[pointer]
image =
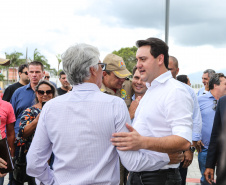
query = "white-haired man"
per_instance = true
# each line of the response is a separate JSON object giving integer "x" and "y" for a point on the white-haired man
{"x": 77, "y": 128}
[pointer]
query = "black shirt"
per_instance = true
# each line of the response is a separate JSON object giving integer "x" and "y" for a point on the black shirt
{"x": 10, "y": 90}
{"x": 61, "y": 91}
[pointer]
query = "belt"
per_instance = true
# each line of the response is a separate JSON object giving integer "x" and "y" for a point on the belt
{"x": 160, "y": 171}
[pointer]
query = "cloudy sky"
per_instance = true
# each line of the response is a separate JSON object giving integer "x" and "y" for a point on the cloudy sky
{"x": 197, "y": 32}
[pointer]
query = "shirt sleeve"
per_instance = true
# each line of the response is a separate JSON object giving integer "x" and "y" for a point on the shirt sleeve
{"x": 39, "y": 151}
{"x": 7, "y": 94}
{"x": 197, "y": 121}
{"x": 178, "y": 111}
{"x": 26, "y": 119}
{"x": 137, "y": 160}
{"x": 11, "y": 116}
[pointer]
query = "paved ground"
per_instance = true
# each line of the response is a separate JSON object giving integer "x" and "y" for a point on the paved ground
{"x": 193, "y": 177}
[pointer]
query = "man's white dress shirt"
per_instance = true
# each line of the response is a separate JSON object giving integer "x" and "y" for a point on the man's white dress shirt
{"x": 77, "y": 128}
{"x": 165, "y": 109}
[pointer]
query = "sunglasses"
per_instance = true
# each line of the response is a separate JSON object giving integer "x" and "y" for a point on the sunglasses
{"x": 47, "y": 77}
{"x": 26, "y": 73}
{"x": 103, "y": 66}
{"x": 48, "y": 92}
{"x": 214, "y": 105}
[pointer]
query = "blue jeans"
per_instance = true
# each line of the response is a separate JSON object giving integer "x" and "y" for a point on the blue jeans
{"x": 1, "y": 180}
{"x": 202, "y": 164}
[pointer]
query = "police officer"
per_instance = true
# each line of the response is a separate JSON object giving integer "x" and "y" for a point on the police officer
{"x": 116, "y": 82}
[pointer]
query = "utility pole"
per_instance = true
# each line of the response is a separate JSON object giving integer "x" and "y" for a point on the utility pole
{"x": 26, "y": 56}
{"x": 167, "y": 21}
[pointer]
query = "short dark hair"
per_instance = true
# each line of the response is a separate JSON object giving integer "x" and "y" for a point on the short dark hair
{"x": 61, "y": 73}
{"x": 21, "y": 68}
{"x": 183, "y": 78}
{"x": 157, "y": 47}
{"x": 36, "y": 63}
{"x": 134, "y": 70}
{"x": 215, "y": 79}
{"x": 53, "y": 89}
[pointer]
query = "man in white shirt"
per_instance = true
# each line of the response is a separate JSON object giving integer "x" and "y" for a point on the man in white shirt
{"x": 77, "y": 128}
{"x": 162, "y": 121}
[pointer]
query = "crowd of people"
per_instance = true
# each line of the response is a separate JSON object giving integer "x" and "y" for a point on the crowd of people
{"x": 102, "y": 127}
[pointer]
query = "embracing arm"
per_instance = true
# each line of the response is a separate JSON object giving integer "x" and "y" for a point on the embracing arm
{"x": 134, "y": 141}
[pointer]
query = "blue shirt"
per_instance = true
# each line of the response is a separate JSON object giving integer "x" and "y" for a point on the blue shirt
{"x": 22, "y": 98}
{"x": 206, "y": 104}
{"x": 196, "y": 117}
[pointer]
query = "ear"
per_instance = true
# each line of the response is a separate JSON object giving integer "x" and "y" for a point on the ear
{"x": 161, "y": 59}
{"x": 92, "y": 71}
{"x": 104, "y": 73}
{"x": 19, "y": 73}
{"x": 177, "y": 71}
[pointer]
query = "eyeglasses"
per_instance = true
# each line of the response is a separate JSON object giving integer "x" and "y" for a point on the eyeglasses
{"x": 103, "y": 66}
{"x": 214, "y": 105}
{"x": 26, "y": 73}
{"x": 48, "y": 92}
{"x": 47, "y": 77}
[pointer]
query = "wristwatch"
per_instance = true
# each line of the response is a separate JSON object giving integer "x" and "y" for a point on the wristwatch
{"x": 192, "y": 149}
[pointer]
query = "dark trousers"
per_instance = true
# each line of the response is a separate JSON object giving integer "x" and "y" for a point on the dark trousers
{"x": 159, "y": 177}
{"x": 183, "y": 173}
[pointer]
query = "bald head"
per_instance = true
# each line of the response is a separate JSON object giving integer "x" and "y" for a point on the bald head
{"x": 173, "y": 66}
{"x": 47, "y": 76}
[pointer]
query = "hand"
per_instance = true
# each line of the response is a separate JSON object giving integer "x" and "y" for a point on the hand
{"x": 199, "y": 146}
{"x": 209, "y": 175}
{"x": 188, "y": 157}
{"x": 194, "y": 143}
{"x": 3, "y": 165}
{"x": 176, "y": 157}
{"x": 133, "y": 107}
{"x": 127, "y": 140}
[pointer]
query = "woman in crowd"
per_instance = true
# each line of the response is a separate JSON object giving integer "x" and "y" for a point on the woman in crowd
{"x": 44, "y": 91}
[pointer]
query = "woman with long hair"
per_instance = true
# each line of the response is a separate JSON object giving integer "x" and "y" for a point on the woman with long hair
{"x": 44, "y": 91}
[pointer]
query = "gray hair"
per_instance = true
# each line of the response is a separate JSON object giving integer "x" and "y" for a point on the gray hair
{"x": 77, "y": 61}
{"x": 210, "y": 72}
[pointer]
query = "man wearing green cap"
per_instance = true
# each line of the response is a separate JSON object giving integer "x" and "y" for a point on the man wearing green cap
{"x": 115, "y": 80}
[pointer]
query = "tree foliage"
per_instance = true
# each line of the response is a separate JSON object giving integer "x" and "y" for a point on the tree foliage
{"x": 41, "y": 58}
{"x": 15, "y": 61}
{"x": 59, "y": 61}
{"x": 129, "y": 56}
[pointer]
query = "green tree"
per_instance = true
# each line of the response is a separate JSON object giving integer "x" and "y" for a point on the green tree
{"x": 1, "y": 77}
{"x": 15, "y": 61}
{"x": 129, "y": 56}
{"x": 59, "y": 61}
{"x": 41, "y": 58}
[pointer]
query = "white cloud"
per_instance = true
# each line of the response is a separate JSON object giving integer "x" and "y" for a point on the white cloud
{"x": 53, "y": 26}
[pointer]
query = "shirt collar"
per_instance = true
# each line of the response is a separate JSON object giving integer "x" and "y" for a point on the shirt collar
{"x": 160, "y": 79}
{"x": 85, "y": 87}
{"x": 209, "y": 95}
{"x": 28, "y": 86}
{"x": 133, "y": 97}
